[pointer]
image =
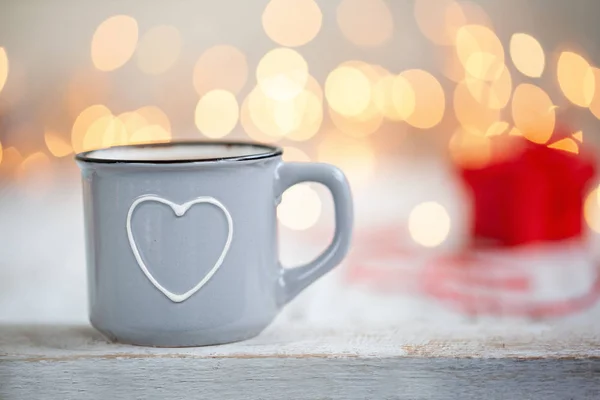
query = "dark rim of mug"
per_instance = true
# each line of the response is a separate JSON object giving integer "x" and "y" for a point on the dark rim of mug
{"x": 270, "y": 151}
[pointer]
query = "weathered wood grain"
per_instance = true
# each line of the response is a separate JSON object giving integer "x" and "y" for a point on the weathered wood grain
{"x": 306, "y": 362}
{"x": 301, "y": 378}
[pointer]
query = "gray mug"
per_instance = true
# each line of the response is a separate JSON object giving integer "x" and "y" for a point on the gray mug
{"x": 181, "y": 239}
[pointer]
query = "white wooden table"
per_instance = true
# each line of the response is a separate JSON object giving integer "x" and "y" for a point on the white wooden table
{"x": 468, "y": 361}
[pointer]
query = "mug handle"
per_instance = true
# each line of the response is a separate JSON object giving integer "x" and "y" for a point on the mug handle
{"x": 295, "y": 280}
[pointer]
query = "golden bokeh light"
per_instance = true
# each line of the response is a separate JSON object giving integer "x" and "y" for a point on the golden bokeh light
{"x": 566, "y": 144}
{"x": 461, "y": 13}
{"x": 470, "y": 12}
{"x": 450, "y": 64}
{"x": 220, "y": 67}
{"x": 480, "y": 52}
{"x": 158, "y": 49}
{"x": 470, "y": 150}
{"x": 357, "y": 127}
{"x": 591, "y": 210}
{"x": 394, "y": 97}
{"x": 576, "y": 79}
{"x": 56, "y": 144}
{"x": 247, "y": 117}
{"x": 217, "y": 113}
{"x": 356, "y": 157}
{"x": 11, "y": 157}
{"x": 34, "y": 164}
{"x": 297, "y": 119}
{"x": 348, "y": 91}
{"x": 310, "y": 110}
{"x": 429, "y": 99}
{"x": 437, "y": 18}
{"x": 155, "y": 116}
{"x": 493, "y": 94}
{"x": 527, "y": 55}
{"x": 292, "y": 23}
{"x": 533, "y": 113}
{"x": 595, "y": 103}
{"x": 429, "y": 224}
{"x": 366, "y": 23}
{"x": 132, "y": 122}
{"x": 105, "y": 131}
{"x": 497, "y": 128}
{"x": 578, "y": 136}
{"x": 515, "y": 132}
{"x": 294, "y": 154}
{"x": 272, "y": 118}
{"x": 282, "y": 74}
{"x": 83, "y": 122}
{"x": 382, "y": 97}
{"x": 300, "y": 207}
{"x": 114, "y": 42}
{"x": 4, "y": 67}
{"x": 150, "y": 134}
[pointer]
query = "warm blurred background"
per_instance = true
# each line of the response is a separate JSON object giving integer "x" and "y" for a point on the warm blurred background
{"x": 467, "y": 128}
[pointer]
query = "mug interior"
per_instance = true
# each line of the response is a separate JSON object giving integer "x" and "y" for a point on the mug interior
{"x": 178, "y": 152}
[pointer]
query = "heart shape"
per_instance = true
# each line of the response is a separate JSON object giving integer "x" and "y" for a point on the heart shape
{"x": 179, "y": 210}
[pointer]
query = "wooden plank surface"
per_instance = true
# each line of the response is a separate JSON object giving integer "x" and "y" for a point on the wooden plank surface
{"x": 476, "y": 360}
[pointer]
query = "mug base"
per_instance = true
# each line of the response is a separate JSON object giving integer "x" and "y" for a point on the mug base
{"x": 179, "y": 339}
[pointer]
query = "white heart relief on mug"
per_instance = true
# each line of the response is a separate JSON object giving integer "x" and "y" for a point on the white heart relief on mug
{"x": 180, "y": 210}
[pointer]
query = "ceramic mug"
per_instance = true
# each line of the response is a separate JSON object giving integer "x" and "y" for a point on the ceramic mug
{"x": 181, "y": 239}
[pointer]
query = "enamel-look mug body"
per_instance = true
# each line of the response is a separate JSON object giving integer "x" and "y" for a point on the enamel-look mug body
{"x": 182, "y": 240}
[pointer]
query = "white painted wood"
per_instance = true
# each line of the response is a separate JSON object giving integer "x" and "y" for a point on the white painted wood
{"x": 299, "y": 361}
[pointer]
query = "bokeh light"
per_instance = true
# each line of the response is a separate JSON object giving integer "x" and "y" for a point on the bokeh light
{"x": 133, "y": 122}
{"x": 578, "y": 136}
{"x": 533, "y": 113}
{"x": 361, "y": 126}
{"x": 436, "y": 18}
{"x": 493, "y": 94}
{"x": 35, "y": 164}
{"x": 56, "y": 144}
{"x": 567, "y": 144}
{"x": 220, "y": 67}
{"x": 576, "y": 79}
{"x": 4, "y": 67}
{"x": 356, "y": 157}
{"x": 470, "y": 150}
{"x": 429, "y": 224}
{"x": 150, "y": 134}
{"x": 154, "y": 115}
{"x": 527, "y": 55}
{"x": 497, "y": 128}
{"x": 595, "y": 103}
{"x": 104, "y": 132}
{"x": 259, "y": 112}
{"x": 114, "y": 42}
{"x": 83, "y": 122}
{"x": 300, "y": 207}
{"x": 292, "y": 23}
{"x": 309, "y": 109}
{"x": 429, "y": 99}
{"x": 480, "y": 52}
{"x": 348, "y": 90}
{"x": 217, "y": 113}
{"x": 158, "y": 49}
{"x": 591, "y": 210}
{"x": 282, "y": 74}
{"x": 366, "y": 23}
